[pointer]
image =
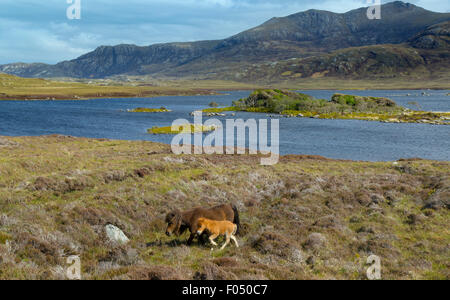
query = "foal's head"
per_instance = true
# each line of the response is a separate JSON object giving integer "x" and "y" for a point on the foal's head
{"x": 202, "y": 224}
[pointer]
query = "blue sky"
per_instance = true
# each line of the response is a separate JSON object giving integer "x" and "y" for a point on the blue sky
{"x": 39, "y": 30}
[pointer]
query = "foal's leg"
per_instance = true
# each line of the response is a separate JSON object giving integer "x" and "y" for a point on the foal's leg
{"x": 212, "y": 238}
{"x": 227, "y": 242}
{"x": 235, "y": 241}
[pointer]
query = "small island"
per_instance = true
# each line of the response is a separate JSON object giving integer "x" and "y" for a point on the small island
{"x": 186, "y": 128}
{"x": 149, "y": 110}
{"x": 293, "y": 104}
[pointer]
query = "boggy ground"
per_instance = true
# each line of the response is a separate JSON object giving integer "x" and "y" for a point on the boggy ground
{"x": 305, "y": 218}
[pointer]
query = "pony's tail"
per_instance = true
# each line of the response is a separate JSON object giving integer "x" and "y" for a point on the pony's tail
{"x": 236, "y": 218}
{"x": 235, "y": 230}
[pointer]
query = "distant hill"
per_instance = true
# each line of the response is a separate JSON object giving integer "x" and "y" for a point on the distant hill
{"x": 325, "y": 39}
{"x": 426, "y": 54}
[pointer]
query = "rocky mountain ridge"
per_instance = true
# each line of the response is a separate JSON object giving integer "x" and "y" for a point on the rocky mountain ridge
{"x": 313, "y": 35}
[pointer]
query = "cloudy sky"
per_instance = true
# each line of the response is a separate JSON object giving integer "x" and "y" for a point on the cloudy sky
{"x": 39, "y": 30}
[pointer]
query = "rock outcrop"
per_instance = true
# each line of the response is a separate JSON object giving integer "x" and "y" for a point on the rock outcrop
{"x": 116, "y": 235}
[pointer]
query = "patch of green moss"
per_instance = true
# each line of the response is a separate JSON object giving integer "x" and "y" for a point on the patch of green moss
{"x": 438, "y": 272}
{"x": 149, "y": 110}
{"x": 4, "y": 237}
{"x": 187, "y": 128}
{"x": 218, "y": 109}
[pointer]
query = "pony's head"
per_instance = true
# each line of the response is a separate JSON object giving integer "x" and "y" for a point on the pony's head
{"x": 173, "y": 220}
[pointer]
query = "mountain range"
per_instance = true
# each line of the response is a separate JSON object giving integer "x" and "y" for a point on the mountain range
{"x": 407, "y": 40}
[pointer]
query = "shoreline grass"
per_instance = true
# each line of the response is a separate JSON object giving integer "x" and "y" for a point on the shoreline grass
{"x": 424, "y": 117}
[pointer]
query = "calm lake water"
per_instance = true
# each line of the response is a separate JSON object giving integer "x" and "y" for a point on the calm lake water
{"x": 343, "y": 139}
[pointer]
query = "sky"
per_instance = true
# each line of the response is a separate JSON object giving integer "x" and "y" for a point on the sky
{"x": 40, "y": 31}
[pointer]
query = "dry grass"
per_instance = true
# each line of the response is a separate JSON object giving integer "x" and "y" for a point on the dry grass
{"x": 334, "y": 83}
{"x": 305, "y": 218}
{"x": 17, "y": 88}
{"x": 325, "y": 83}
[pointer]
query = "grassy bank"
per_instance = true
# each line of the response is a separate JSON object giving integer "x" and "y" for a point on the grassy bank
{"x": 305, "y": 218}
{"x": 17, "y": 88}
{"x": 441, "y": 82}
{"x": 438, "y": 82}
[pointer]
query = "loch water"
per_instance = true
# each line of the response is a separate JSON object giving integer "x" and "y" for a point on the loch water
{"x": 340, "y": 139}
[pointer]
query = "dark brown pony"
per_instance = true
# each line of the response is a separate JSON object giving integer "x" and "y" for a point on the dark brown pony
{"x": 178, "y": 222}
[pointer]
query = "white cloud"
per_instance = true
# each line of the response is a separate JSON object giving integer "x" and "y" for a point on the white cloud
{"x": 22, "y": 42}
